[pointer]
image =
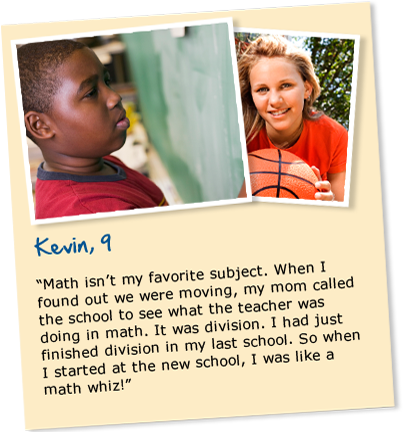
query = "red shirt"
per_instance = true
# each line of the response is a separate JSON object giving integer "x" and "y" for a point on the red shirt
{"x": 60, "y": 194}
{"x": 323, "y": 143}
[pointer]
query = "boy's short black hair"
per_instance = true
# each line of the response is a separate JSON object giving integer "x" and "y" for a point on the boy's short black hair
{"x": 38, "y": 63}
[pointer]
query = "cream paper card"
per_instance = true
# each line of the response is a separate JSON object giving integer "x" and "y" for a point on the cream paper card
{"x": 281, "y": 308}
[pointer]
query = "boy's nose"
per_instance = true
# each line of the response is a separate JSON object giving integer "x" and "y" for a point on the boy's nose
{"x": 113, "y": 99}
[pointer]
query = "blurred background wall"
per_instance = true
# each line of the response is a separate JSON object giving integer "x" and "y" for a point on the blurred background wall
{"x": 187, "y": 100}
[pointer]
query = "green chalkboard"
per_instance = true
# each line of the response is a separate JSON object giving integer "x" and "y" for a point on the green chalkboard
{"x": 188, "y": 105}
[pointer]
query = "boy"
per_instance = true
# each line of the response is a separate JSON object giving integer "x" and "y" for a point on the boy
{"x": 77, "y": 120}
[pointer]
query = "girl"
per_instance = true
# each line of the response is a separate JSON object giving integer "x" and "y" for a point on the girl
{"x": 278, "y": 88}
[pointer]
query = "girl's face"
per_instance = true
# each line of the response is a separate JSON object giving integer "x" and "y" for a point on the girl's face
{"x": 278, "y": 92}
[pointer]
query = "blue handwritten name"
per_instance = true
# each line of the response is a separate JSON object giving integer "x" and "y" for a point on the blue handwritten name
{"x": 55, "y": 249}
{"x": 73, "y": 247}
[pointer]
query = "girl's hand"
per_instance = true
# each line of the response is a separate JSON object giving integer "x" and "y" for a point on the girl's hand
{"x": 325, "y": 190}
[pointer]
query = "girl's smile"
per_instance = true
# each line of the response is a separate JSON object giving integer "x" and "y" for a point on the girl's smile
{"x": 279, "y": 113}
{"x": 278, "y": 92}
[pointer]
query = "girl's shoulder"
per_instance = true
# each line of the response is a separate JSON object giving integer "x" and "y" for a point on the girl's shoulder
{"x": 325, "y": 125}
{"x": 259, "y": 141}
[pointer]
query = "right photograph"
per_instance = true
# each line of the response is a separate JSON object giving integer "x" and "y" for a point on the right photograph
{"x": 298, "y": 98}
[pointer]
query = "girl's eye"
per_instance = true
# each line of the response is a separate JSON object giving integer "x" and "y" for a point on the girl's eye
{"x": 286, "y": 85}
{"x": 262, "y": 90}
{"x": 107, "y": 80}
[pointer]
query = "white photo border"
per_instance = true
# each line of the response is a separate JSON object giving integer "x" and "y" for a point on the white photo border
{"x": 356, "y": 38}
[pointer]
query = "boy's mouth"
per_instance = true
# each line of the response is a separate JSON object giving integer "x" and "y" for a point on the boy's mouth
{"x": 123, "y": 122}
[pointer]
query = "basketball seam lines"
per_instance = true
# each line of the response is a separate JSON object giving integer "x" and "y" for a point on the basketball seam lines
{"x": 283, "y": 162}
{"x": 284, "y": 174}
{"x": 279, "y": 173}
{"x": 281, "y": 187}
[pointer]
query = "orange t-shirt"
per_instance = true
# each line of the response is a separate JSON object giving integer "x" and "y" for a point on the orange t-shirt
{"x": 323, "y": 143}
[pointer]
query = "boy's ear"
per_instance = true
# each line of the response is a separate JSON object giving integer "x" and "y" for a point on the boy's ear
{"x": 38, "y": 125}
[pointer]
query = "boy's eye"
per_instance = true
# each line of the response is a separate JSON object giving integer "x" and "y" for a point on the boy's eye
{"x": 91, "y": 93}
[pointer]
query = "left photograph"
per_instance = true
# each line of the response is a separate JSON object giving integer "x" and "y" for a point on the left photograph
{"x": 133, "y": 121}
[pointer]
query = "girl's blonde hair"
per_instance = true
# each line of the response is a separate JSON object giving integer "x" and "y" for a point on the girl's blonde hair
{"x": 273, "y": 46}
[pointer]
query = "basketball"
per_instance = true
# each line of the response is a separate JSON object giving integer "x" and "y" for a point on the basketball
{"x": 280, "y": 174}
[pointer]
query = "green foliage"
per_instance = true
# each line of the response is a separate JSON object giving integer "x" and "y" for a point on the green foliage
{"x": 242, "y": 41}
{"x": 333, "y": 63}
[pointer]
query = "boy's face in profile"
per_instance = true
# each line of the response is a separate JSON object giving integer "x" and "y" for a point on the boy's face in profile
{"x": 87, "y": 116}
